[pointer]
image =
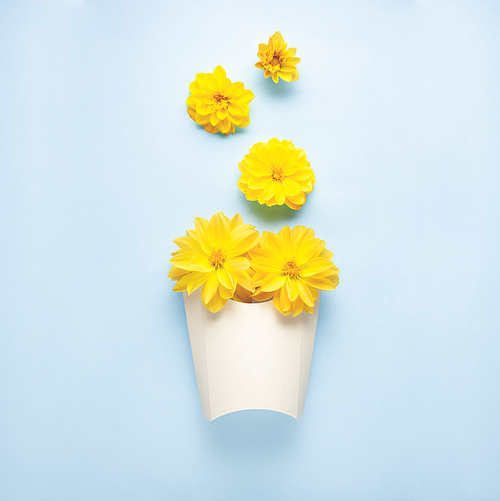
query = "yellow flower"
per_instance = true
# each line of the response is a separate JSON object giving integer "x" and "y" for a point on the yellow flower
{"x": 213, "y": 255}
{"x": 218, "y": 104}
{"x": 276, "y": 173}
{"x": 290, "y": 267}
{"x": 276, "y": 61}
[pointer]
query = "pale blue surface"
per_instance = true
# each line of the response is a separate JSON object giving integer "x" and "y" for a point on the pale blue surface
{"x": 398, "y": 109}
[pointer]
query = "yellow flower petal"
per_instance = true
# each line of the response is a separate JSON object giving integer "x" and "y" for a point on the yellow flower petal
{"x": 274, "y": 282}
{"x": 321, "y": 283}
{"x": 244, "y": 281}
{"x": 242, "y": 295}
{"x": 210, "y": 287}
{"x": 201, "y": 263}
{"x": 225, "y": 126}
{"x": 196, "y": 280}
{"x": 245, "y": 121}
{"x": 202, "y": 233}
{"x": 225, "y": 278}
{"x": 222, "y": 114}
{"x": 308, "y": 249}
{"x": 304, "y": 292}
{"x": 216, "y": 303}
{"x": 277, "y": 302}
{"x": 314, "y": 266}
{"x": 284, "y": 299}
{"x": 225, "y": 293}
{"x": 280, "y": 194}
{"x": 291, "y": 187}
{"x": 188, "y": 244}
{"x": 176, "y": 272}
{"x": 202, "y": 119}
{"x": 257, "y": 169}
{"x": 246, "y": 96}
{"x": 244, "y": 242}
{"x": 275, "y": 245}
{"x": 257, "y": 183}
{"x": 214, "y": 119}
{"x": 236, "y": 221}
{"x": 236, "y": 89}
{"x": 298, "y": 307}
{"x": 218, "y": 231}
{"x": 182, "y": 283}
{"x": 237, "y": 264}
{"x": 219, "y": 73}
{"x": 267, "y": 264}
{"x": 268, "y": 192}
{"x": 287, "y": 77}
{"x": 237, "y": 109}
{"x": 260, "y": 295}
{"x": 183, "y": 261}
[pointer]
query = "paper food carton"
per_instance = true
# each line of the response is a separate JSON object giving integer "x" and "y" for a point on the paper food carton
{"x": 250, "y": 356}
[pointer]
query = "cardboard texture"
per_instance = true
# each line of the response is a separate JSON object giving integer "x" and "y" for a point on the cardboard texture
{"x": 250, "y": 356}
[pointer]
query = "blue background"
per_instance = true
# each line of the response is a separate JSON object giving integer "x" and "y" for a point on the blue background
{"x": 398, "y": 109}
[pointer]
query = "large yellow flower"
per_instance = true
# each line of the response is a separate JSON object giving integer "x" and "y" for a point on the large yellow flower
{"x": 213, "y": 255}
{"x": 290, "y": 267}
{"x": 277, "y": 61}
{"x": 217, "y": 103}
{"x": 276, "y": 173}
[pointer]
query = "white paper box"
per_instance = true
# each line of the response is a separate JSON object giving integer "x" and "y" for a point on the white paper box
{"x": 250, "y": 356}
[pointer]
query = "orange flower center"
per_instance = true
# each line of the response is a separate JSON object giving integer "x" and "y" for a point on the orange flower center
{"x": 292, "y": 269}
{"x": 218, "y": 257}
{"x": 276, "y": 60}
{"x": 219, "y": 101}
{"x": 278, "y": 175}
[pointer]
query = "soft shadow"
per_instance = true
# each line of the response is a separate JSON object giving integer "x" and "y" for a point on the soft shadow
{"x": 280, "y": 89}
{"x": 238, "y": 130}
{"x": 252, "y": 433}
{"x": 274, "y": 213}
{"x": 327, "y": 319}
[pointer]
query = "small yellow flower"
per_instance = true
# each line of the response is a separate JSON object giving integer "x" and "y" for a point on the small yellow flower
{"x": 213, "y": 255}
{"x": 290, "y": 267}
{"x": 276, "y": 61}
{"x": 276, "y": 173}
{"x": 217, "y": 103}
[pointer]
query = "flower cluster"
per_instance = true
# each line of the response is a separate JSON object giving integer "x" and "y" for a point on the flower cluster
{"x": 233, "y": 261}
{"x": 217, "y": 103}
{"x": 276, "y": 173}
{"x": 220, "y": 105}
{"x": 277, "y": 61}
{"x": 228, "y": 258}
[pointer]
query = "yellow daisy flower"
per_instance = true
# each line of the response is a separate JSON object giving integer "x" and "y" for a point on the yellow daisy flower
{"x": 276, "y": 173}
{"x": 290, "y": 267}
{"x": 217, "y": 103}
{"x": 213, "y": 256}
{"x": 277, "y": 61}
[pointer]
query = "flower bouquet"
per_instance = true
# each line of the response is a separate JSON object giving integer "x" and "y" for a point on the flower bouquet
{"x": 252, "y": 299}
{"x": 251, "y": 305}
